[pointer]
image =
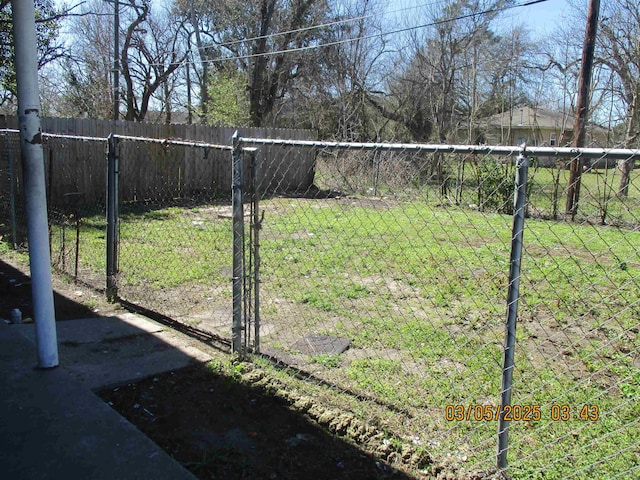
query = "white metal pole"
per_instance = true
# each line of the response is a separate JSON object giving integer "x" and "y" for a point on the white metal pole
{"x": 24, "y": 34}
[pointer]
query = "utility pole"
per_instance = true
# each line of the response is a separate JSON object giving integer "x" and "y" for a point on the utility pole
{"x": 582, "y": 107}
{"x": 24, "y": 34}
{"x": 204, "y": 80}
{"x": 116, "y": 60}
{"x": 189, "y": 108}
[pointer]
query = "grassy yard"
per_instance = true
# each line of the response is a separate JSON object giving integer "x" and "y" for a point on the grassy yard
{"x": 421, "y": 291}
{"x": 598, "y": 200}
{"x": 419, "y": 287}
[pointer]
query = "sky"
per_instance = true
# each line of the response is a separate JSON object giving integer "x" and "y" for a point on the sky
{"x": 542, "y": 17}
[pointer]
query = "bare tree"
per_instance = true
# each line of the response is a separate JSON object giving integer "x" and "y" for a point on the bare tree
{"x": 87, "y": 72}
{"x": 619, "y": 52}
{"x": 149, "y": 57}
{"x": 330, "y": 94}
{"x": 431, "y": 95}
{"x": 150, "y": 54}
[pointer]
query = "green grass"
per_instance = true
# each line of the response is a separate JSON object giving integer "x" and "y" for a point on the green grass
{"x": 598, "y": 199}
{"x": 426, "y": 288}
{"x": 420, "y": 289}
{"x": 159, "y": 249}
{"x": 327, "y": 360}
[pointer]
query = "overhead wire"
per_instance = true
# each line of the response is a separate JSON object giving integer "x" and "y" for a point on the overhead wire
{"x": 329, "y": 24}
{"x": 355, "y": 39}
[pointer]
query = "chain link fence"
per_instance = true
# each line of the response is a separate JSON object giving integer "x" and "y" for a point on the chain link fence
{"x": 393, "y": 278}
{"x": 10, "y": 208}
{"x": 174, "y": 226}
{"x": 75, "y": 177}
{"x": 174, "y": 230}
{"x": 386, "y": 272}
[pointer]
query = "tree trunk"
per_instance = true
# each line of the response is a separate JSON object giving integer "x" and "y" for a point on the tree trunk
{"x": 626, "y": 166}
{"x": 259, "y": 75}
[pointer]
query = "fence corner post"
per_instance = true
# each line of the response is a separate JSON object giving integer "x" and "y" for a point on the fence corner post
{"x": 520, "y": 194}
{"x": 238, "y": 243}
{"x": 112, "y": 217}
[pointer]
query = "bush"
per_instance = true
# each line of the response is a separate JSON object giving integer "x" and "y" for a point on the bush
{"x": 495, "y": 185}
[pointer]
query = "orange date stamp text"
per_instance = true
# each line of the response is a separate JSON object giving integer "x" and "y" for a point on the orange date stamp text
{"x": 520, "y": 413}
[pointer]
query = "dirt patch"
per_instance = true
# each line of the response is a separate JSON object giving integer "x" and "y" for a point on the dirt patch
{"x": 369, "y": 202}
{"x": 232, "y": 429}
{"x": 191, "y": 303}
{"x": 249, "y": 425}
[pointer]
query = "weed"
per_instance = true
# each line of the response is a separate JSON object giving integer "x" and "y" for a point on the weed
{"x": 327, "y": 360}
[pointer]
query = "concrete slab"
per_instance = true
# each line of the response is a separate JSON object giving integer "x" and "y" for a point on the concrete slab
{"x": 321, "y": 345}
{"x": 99, "y": 329}
{"x": 127, "y": 361}
{"x": 53, "y": 427}
{"x": 106, "y": 351}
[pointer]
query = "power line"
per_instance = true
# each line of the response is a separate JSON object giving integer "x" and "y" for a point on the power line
{"x": 374, "y": 35}
{"x": 355, "y": 39}
{"x": 329, "y": 24}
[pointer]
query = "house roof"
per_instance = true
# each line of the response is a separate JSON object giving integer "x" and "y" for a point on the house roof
{"x": 531, "y": 117}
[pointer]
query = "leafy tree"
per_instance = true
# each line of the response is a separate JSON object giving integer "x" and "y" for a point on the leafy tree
{"x": 262, "y": 38}
{"x": 49, "y": 45}
{"x": 229, "y": 104}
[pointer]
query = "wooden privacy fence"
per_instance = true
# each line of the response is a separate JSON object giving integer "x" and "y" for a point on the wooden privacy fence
{"x": 76, "y": 169}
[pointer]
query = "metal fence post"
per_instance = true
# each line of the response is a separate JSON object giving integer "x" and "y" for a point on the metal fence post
{"x": 112, "y": 217}
{"x": 12, "y": 194}
{"x": 257, "y": 224}
{"x": 238, "y": 243}
{"x": 520, "y": 195}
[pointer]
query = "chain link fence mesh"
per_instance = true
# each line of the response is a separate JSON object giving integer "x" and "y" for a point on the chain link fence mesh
{"x": 389, "y": 279}
{"x": 175, "y": 230}
{"x": 10, "y": 178}
{"x": 384, "y": 272}
{"x": 75, "y": 179}
{"x": 75, "y": 169}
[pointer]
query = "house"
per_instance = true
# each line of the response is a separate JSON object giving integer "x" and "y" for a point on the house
{"x": 536, "y": 126}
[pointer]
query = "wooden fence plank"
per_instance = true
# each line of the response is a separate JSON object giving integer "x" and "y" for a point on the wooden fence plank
{"x": 154, "y": 172}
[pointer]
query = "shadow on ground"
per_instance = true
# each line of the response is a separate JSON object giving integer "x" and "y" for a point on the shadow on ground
{"x": 203, "y": 415}
{"x": 221, "y": 428}
{"x": 15, "y": 292}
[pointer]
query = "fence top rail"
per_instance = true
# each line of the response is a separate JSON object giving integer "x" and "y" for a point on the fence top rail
{"x": 570, "y": 152}
{"x": 169, "y": 141}
{"x": 73, "y": 137}
{"x": 164, "y": 141}
{"x": 46, "y": 135}
{"x": 558, "y": 152}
